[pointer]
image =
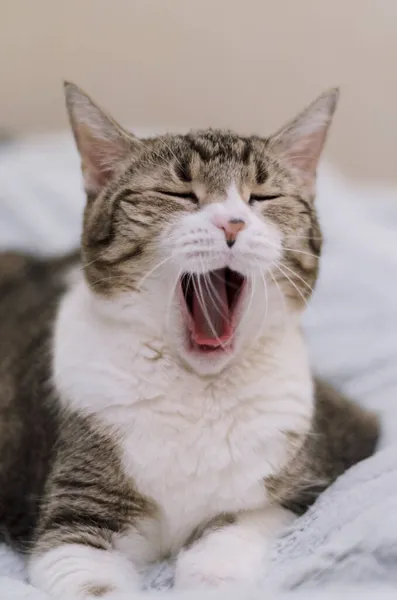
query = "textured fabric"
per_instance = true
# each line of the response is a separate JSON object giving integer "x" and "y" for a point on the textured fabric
{"x": 15, "y": 590}
{"x": 350, "y": 535}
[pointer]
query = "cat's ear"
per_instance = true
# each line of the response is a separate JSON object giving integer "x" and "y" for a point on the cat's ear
{"x": 102, "y": 143}
{"x": 301, "y": 141}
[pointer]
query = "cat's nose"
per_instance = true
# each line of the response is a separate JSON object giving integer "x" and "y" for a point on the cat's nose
{"x": 231, "y": 229}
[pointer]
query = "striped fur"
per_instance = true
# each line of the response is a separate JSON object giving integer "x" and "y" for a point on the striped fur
{"x": 124, "y": 221}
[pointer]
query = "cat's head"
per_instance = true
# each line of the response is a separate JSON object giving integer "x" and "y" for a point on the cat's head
{"x": 207, "y": 239}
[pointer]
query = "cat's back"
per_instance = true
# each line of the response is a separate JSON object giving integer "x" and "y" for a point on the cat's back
{"x": 29, "y": 292}
{"x": 30, "y": 289}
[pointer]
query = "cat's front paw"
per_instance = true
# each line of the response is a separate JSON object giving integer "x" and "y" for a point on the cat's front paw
{"x": 212, "y": 566}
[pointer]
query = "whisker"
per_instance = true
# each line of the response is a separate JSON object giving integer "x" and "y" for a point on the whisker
{"x": 210, "y": 288}
{"x": 207, "y": 283}
{"x": 303, "y": 237}
{"x": 211, "y": 291}
{"x": 124, "y": 278}
{"x": 291, "y": 249}
{"x": 150, "y": 162}
{"x": 111, "y": 277}
{"x": 247, "y": 311}
{"x": 266, "y": 301}
{"x": 173, "y": 154}
{"x": 171, "y": 296}
{"x": 292, "y": 283}
{"x": 204, "y": 308}
{"x": 284, "y": 266}
{"x": 301, "y": 252}
{"x": 281, "y": 297}
{"x": 151, "y": 271}
{"x": 85, "y": 265}
{"x": 299, "y": 156}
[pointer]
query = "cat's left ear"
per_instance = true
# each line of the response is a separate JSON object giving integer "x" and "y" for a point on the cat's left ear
{"x": 103, "y": 144}
{"x": 301, "y": 141}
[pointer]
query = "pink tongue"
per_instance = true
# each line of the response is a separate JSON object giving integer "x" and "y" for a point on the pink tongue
{"x": 210, "y": 311}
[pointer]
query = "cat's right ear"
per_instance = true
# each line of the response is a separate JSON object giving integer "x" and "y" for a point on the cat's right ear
{"x": 102, "y": 143}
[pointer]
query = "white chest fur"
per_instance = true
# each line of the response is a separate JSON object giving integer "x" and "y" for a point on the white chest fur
{"x": 197, "y": 446}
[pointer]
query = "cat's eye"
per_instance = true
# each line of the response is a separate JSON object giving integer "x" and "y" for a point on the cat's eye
{"x": 264, "y": 198}
{"x": 184, "y": 195}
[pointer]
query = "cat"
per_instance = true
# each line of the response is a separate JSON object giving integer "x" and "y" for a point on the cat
{"x": 156, "y": 398}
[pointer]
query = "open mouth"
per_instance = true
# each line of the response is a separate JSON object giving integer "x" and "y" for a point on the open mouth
{"x": 210, "y": 303}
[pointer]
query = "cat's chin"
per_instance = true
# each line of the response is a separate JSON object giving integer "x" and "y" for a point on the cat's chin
{"x": 206, "y": 363}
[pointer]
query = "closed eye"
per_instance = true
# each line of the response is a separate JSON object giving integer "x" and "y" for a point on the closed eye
{"x": 257, "y": 198}
{"x": 185, "y": 195}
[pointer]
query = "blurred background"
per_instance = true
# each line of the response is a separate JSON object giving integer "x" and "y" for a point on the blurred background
{"x": 244, "y": 64}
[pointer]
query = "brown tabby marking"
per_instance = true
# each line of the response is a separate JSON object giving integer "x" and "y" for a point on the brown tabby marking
{"x": 46, "y": 455}
{"x": 97, "y": 591}
{"x": 123, "y": 223}
{"x": 342, "y": 434}
{"x": 205, "y": 529}
{"x": 98, "y": 500}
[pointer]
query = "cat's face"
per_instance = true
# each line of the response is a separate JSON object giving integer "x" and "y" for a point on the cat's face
{"x": 212, "y": 236}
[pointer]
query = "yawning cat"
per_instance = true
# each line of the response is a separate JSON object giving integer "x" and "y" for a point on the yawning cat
{"x": 156, "y": 399}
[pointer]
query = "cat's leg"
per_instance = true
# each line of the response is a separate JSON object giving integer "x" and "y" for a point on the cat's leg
{"x": 92, "y": 543}
{"x": 233, "y": 553}
{"x": 88, "y": 562}
{"x": 95, "y": 531}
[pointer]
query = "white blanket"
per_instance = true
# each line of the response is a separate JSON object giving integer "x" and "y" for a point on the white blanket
{"x": 350, "y": 536}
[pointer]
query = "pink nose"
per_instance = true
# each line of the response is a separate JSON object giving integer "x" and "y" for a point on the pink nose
{"x": 231, "y": 228}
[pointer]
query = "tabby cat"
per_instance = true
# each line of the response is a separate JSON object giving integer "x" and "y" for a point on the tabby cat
{"x": 156, "y": 398}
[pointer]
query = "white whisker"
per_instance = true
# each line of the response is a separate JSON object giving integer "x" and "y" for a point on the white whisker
{"x": 291, "y": 249}
{"x": 300, "y": 252}
{"x": 282, "y": 298}
{"x": 85, "y": 265}
{"x": 292, "y": 283}
{"x": 247, "y": 311}
{"x": 200, "y": 297}
{"x": 110, "y": 278}
{"x": 151, "y": 271}
{"x": 173, "y": 153}
{"x": 266, "y": 302}
{"x": 210, "y": 288}
{"x": 296, "y": 275}
{"x": 303, "y": 237}
{"x": 150, "y": 162}
{"x": 171, "y": 297}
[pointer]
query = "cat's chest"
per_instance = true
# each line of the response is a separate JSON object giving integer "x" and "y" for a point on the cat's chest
{"x": 196, "y": 457}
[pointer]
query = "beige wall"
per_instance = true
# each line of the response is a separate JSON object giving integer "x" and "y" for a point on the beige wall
{"x": 246, "y": 64}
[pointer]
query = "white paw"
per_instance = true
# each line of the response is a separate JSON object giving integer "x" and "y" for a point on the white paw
{"x": 223, "y": 562}
{"x": 78, "y": 572}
